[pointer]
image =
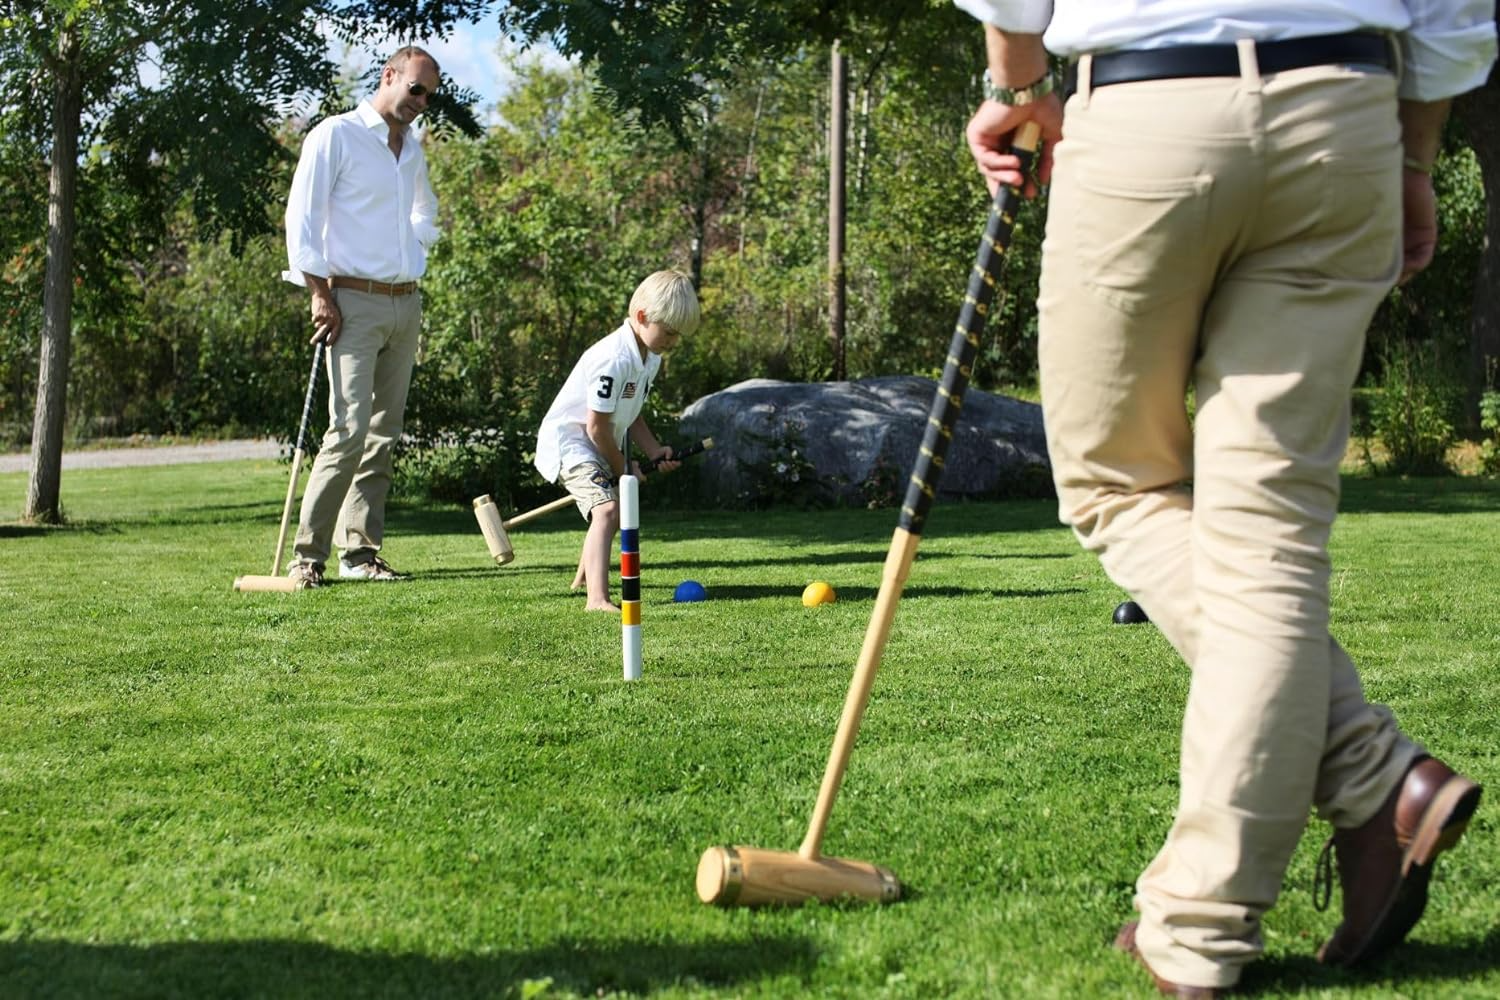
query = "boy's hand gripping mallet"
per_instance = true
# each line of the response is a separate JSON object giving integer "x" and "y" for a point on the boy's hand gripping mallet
{"x": 276, "y": 582}
{"x": 495, "y": 530}
{"x": 749, "y": 876}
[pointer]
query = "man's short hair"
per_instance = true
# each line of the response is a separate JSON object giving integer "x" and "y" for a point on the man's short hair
{"x": 405, "y": 53}
{"x": 668, "y": 297}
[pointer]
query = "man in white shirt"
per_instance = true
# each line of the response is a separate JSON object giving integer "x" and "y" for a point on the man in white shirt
{"x": 1235, "y": 187}
{"x": 359, "y": 220}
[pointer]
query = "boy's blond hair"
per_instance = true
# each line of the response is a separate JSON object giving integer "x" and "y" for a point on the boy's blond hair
{"x": 668, "y": 297}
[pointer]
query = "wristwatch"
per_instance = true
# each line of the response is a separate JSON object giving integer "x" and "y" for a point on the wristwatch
{"x": 1017, "y": 96}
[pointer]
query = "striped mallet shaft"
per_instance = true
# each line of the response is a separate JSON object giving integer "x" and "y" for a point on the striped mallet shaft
{"x": 921, "y": 490}
{"x": 749, "y": 876}
{"x": 924, "y": 478}
{"x": 630, "y": 575}
{"x": 298, "y": 452}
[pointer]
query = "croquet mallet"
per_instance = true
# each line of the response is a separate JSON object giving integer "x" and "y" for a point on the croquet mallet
{"x": 495, "y": 530}
{"x": 276, "y": 582}
{"x": 751, "y": 876}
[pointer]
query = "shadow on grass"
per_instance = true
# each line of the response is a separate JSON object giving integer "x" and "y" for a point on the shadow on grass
{"x": 753, "y": 592}
{"x": 956, "y": 519}
{"x": 1435, "y": 495}
{"x": 521, "y": 567}
{"x": 27, "y": 530}
{"x": 1004, "y": 594}
{"x": 1403, "y": 972}
{"x": 300, "y": 969}
{"x": 20, "y": 530}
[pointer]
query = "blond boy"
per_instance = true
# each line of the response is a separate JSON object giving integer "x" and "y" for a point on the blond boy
{"x": 582, "y": 440}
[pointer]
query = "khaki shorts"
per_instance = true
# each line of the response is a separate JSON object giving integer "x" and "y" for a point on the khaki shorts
{"x": 590, "y": 483}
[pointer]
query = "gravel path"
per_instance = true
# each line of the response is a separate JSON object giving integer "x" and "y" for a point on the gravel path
{"x": 168, "y": 454}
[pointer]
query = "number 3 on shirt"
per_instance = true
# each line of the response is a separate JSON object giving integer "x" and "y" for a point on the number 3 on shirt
{"x": 606, "y": 386}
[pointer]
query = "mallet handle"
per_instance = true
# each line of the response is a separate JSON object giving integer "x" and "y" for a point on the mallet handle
{"x": 923, "y": 488}
{"x": 688, "y": 451}
{"x": 545, "y": 508}
{"x": 291, "y": 487}
{"x": 964, "y": 347}
{"x": 563, "y": 501}
{"x": 893, "y": 579}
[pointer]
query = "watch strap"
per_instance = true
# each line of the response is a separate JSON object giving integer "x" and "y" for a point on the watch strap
{"x": 1017, "y": 96}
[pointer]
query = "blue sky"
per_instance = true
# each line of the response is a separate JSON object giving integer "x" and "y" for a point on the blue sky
{"x": 474, "y": 56}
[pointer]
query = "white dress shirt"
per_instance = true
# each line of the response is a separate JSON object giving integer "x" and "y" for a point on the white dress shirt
{"x": 1447, "y": 46}
{"x": 612, "y": 378}
{"x": 355, "y": 209}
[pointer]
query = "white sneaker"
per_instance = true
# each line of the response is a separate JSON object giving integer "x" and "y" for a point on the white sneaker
{"x": 376, "y": 569}
{"x": 305, "y": 575}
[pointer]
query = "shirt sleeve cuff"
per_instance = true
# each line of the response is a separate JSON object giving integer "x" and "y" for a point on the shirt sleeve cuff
{"x": 1440, "y": 66}
{"x": 1030, "y": 17}
{"x": 305, "y": 262}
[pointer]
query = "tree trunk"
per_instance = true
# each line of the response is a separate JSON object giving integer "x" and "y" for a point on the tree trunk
{"x": 700, "y": 203}
{"x": 747, "y": 178}
{"x": 1479, "y": 112}
{"x": 837, "y": 125}
{"x": 42, "y": 491}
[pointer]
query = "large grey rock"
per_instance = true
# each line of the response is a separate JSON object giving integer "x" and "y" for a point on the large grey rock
{"x": 855, "y": 442}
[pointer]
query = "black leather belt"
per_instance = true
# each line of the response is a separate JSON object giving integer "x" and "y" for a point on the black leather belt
{"x": 1365, "y": 48}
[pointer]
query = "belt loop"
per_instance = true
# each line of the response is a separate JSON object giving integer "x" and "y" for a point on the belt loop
{"x": 1085, "y": 79}
{"x": 1398, "y": 65}
{"x": 1249, "y": 64}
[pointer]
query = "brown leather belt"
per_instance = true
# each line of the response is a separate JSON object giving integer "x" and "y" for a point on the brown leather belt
{"x": 373, "y": 287}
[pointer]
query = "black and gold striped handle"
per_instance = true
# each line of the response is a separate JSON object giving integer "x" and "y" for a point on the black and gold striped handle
{"x": 687, "y": 451}
{"x": 922, "y": 489}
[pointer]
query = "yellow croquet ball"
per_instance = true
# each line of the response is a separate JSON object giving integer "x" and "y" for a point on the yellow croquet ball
{"x": 817, "y": 593}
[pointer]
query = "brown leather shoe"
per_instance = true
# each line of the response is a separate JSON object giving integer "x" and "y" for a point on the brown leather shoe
{"x": 1385, "y": 865}
{"x": 1125, "y": 941}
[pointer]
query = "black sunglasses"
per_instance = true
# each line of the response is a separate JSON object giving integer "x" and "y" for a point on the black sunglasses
{"x": 417, "y": 90}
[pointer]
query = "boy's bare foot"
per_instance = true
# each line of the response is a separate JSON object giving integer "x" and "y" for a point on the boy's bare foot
{"x": 578, "y": 582}
{"x": 606, "y": 606}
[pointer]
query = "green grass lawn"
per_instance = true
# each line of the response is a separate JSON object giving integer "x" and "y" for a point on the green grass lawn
{"x": 443, "y": 788}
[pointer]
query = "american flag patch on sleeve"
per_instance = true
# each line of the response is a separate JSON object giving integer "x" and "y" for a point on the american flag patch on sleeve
{"x": 629, "y": 391}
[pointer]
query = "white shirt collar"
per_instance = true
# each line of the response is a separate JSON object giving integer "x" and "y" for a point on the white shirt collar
{"x": 371, "y": 119}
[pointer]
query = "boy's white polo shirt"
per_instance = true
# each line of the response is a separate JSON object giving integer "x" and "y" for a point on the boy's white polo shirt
{"x": 609, "y": 378}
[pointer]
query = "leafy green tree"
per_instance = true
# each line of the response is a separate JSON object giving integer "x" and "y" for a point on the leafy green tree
{"x": 550, "y": 221}
{"x": 1478, "y": 113}
{"x": 201, "y": 129}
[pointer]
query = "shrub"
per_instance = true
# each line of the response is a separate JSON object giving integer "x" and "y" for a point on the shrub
{"x": 1489, "y": 421}
{"x": 1412, "y": 408}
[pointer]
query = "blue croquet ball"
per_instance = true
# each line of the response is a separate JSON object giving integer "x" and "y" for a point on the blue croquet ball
{"x": 688, "y": 591}
{"x": 1130, "y": 613}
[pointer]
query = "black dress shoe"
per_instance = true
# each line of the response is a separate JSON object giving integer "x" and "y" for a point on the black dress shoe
{"x": 1384, "y": 866}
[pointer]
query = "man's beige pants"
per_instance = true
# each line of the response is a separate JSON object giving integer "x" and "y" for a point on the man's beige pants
{"x": 369, "y": 372}
{"x": 1235, "y": 236}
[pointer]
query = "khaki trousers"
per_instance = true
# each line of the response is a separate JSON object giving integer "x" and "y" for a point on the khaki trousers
{"x": 1235, "y": 236}
{"x": 369, "y": 373}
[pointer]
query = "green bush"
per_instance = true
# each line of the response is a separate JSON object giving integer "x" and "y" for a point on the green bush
{"x": 1489, "y": 421}
{"x": 1412, "y": 409}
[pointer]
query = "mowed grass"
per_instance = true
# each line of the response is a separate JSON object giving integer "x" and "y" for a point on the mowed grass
{"x": 443, "y": 788}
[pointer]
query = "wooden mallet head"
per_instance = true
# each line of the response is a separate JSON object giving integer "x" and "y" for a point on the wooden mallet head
{"x": 267, "y": 584}
{"x": 493, "y": 528}
{"x": 751, "y": 876}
